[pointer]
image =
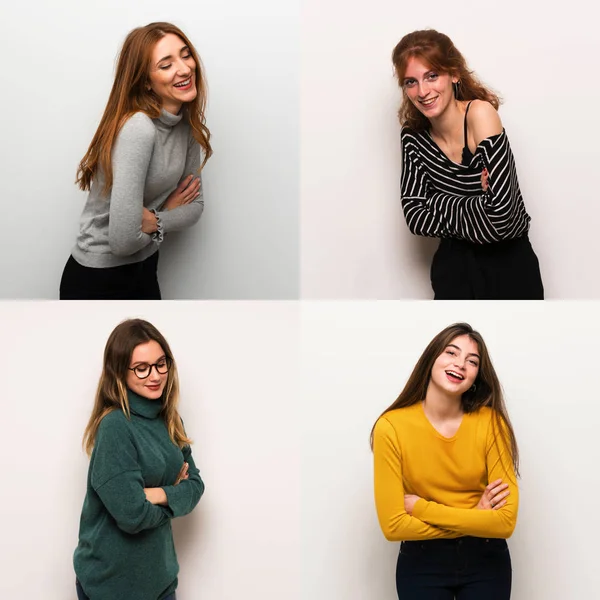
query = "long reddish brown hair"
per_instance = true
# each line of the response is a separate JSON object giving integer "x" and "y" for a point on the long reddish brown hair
{"x": 488, "y": 391}
{"x": 440, "y": 54}
{"x": 130, "y": 94}
{"x": 112, "y": 390}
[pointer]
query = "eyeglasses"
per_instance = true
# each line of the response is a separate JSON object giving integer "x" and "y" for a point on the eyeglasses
{"x": 162, "y": 366}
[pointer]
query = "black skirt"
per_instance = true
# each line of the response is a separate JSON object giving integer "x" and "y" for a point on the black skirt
{"x": 506, "y": 270}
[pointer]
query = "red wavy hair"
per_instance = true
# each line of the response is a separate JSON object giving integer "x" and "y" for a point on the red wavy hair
{"x": 130, "y": 94}
{"x": 440, "y": 54}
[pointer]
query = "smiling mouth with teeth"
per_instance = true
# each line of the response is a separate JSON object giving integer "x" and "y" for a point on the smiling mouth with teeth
{"x": 454, "y": 374}
{"x": 428, "y": 102}
{"x": 184, "y": 83}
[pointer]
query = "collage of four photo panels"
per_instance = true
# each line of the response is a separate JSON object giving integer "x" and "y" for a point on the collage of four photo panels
{"x": 299, "y": 300}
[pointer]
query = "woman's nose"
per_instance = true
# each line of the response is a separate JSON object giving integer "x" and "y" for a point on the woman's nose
{"x": 183, "y": 68}
{"x": 423, "y": 89}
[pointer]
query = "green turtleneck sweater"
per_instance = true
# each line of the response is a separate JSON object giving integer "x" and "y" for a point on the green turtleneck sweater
{"x": 126, "y": 549}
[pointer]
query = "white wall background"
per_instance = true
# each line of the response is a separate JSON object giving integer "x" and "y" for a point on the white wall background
{"x": 355, "y": 243}
{"x": 238, "y": 373}
{"x": 280, "y": 519}
{"x": 61, "y": 59}
{"x": 356, "y": 359}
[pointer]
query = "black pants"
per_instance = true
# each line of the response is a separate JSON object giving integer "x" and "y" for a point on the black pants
{"x": 466, "y": 568}
{"x": 136, "y": 281}
{"x": 507, "y": 270}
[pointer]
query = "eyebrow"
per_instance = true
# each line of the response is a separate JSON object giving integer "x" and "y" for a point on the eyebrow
{"x": 170, "y": 56}
{"x": 145, "y": 362}
{"x": 471, "y": 354}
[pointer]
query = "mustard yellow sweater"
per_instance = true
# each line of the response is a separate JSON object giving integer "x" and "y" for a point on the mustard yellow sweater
{"x": 449, "y": 474}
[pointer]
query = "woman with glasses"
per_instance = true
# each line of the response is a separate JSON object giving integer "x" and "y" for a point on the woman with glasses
{"x": 141, "y": 473}
{"x": 446, "y": 466}
{"x": 141, "y": 169}
{"x": 459, "y": 180}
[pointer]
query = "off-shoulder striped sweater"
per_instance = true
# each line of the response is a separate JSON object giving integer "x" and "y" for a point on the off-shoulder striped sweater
{"x": 444, "y": 199}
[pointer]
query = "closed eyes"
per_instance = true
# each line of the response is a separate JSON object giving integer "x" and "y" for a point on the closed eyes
{"x": 164, "y": 67}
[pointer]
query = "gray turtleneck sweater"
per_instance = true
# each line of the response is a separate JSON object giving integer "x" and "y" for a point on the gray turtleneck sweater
{"x": 149, "y": 159}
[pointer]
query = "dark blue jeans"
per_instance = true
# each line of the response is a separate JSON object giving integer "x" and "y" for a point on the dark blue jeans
{"x": 81, "y": 594}
{"x": 466, "y": 568}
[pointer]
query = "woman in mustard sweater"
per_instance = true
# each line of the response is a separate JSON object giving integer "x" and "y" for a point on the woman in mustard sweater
{"x": 141, "y": 472}
{"x": 446, "y": 467}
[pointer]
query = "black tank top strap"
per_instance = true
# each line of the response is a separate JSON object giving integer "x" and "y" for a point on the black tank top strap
{"x": 465, "y": 128}
{"x": 466, "y": 153}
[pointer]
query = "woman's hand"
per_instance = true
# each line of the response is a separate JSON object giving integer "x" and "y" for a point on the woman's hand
{"x": 183, "y": 474}
{"x": 409, "y": 502}
{"x": 484, "y": 179}
{"x": 149, "y": 221}
{"x": 156, "y": 496}
{"x": 187, "y": 191}
{"x": 494, "y": 496}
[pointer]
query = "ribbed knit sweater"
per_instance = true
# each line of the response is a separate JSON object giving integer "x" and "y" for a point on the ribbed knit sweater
{"x": 149, "y": 159}
{"x": 126, "y": 549}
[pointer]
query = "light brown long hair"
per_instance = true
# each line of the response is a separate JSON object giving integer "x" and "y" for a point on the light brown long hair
{"x": 130, "y": 94}
{"x": 112, "y": 390}
{"x": 488, "y": 391}
{"x": 440, "y": 54}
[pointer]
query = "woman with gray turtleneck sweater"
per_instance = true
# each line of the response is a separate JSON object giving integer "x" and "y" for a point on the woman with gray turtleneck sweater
{"x": 141, "y": 169}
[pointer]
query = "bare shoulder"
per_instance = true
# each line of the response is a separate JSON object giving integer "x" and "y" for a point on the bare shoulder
{"x": 483, "y": 120}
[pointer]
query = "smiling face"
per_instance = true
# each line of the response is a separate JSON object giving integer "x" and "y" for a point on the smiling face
{"x": 429, "y": 90}
{"x": 456, "y": 368}
{"x": 173, "y": 73}
{"x": 152, "y": 386}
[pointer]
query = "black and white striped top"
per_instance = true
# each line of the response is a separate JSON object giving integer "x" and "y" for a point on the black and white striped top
{"x": 444, "y": 199}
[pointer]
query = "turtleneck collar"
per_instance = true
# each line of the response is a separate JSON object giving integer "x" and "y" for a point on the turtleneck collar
{"x": 169, "y": 119}
{"x": 150, "y": 409}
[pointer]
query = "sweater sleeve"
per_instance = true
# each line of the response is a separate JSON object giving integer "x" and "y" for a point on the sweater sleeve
{"x": 117, "y": 479}
{"x": 188, "y": 214}
{"x": 130, "y": 162}
{"x": 184, "y": 497}
{"x": 481, "y": 218}
{"x": 498, "y": 523}
{"x": 395, "y": 522}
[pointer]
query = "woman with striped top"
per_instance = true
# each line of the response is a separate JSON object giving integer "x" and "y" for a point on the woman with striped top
{"x": 459, "y": 181}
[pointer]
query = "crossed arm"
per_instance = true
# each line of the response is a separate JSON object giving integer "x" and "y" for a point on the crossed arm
{"x": 431, "y": 520}
{"x": 481, "y": 218}
{"x": 131, "y": 225}
{"x": 185, "y": 205}
{"x": 117, "y": 479}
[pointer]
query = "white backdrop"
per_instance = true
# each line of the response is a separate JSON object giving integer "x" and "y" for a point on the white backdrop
{"x": 356, "y": 359}
{"x": 355, "y": 243}
{"x": 62, "y": 58}
{"x": 238, "y": 373}
{"x": 288, "y": 510}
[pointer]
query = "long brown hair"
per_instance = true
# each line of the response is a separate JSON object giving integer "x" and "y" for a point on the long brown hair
{"x": 440, "y": 54}
{"x": 112, "y": 390}
{"x": 130, "y": 94}
{"x": 487, "y": 392}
